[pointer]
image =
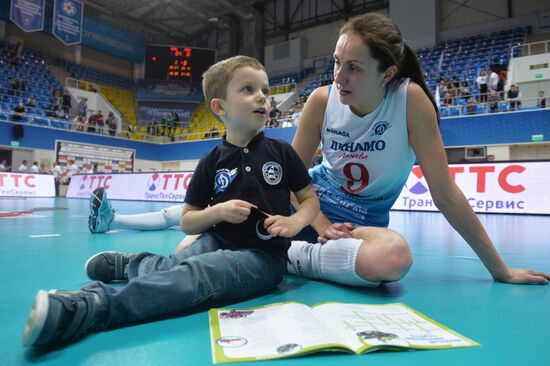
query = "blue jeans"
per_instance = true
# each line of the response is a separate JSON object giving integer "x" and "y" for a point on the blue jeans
{"x": 210, "y": 270}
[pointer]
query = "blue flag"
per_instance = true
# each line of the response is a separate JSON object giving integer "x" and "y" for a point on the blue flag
{"x": 68, "y": 18}
{"x": 28, "y": 14}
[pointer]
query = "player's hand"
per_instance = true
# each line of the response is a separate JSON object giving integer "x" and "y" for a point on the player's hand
{"x": 234, "y": 211}
{"x": 336, "y": 231}
{"x": 285, "y": 226}
{"x": 524, "y": 276}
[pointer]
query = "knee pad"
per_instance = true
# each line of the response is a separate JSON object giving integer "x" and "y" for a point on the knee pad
{"x": 333, "y": 261}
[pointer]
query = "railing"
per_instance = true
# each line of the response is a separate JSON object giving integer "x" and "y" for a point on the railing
{"x": 289, "y": 121}
{"x": 82, "y": 84}
{"x": 486, "y": 107}
{"x": 530, "y": 49}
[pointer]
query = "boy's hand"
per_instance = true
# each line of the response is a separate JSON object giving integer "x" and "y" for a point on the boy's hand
{"x": 234, "y": 211}
{"x": 285, "y": 226}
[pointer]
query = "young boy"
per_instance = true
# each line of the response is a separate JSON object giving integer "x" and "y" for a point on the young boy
{"x": 240, "y": 252}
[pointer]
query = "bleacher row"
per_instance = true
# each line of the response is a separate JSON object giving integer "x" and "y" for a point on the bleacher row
{"x": 463, "y": 57}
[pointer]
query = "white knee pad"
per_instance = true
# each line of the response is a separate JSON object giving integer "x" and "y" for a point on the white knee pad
{"x": 333, "y": 261}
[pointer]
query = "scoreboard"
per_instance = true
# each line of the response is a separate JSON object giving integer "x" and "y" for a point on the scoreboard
{"x": 177, "y": 62}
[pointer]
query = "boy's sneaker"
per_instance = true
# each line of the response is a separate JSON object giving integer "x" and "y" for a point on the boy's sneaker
{"x": 101, "y": 212}
{"x": 58, "y": 316}
{"x": 108, "y": 266}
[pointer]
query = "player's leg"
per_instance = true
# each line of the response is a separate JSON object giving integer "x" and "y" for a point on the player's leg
{"x": 103, "y": 218}
{"x": 373, "y": 255}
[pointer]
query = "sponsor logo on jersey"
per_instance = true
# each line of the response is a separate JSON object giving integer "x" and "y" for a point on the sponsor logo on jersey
{"x": 337, "y": 132}
{"x": 374, "y": 145}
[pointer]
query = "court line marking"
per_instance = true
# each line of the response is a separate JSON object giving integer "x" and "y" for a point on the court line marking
{"x": 43, "y": 235}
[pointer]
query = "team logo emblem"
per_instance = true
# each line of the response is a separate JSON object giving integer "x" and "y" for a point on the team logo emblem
{"x": 153, "y": 182}
{"x": 272, "y": 172}
{"x": 69, "y": 8}
{"x": 379, "y": 128}
{"x": 223, "y": 179}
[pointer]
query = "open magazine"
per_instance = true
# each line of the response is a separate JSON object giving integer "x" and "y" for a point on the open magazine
{"x": 293, "y": 329}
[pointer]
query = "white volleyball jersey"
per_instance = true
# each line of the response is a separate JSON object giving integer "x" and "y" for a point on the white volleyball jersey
{"x": 366, "y": 159}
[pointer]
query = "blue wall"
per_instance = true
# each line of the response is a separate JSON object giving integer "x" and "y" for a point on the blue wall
{"x": 505, "y": 128}
{"x": 497, "y": 128}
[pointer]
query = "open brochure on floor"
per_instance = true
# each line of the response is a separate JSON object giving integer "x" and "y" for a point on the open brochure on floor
{"x": 293, "y": 329}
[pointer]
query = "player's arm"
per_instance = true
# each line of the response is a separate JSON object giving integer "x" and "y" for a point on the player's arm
{"x": 307, "y": 139}
{"x": 288, "y": 226}
{"x": 425, "y": 138}
{"x": 196, "y": 220}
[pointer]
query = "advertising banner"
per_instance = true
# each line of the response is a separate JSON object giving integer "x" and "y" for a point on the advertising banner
{"x": 68, "y": 16}
{"x": 28, "y": 14}
{"x": 157, "y": 186}
{"x": 518, "y": 188}
{"x": 26, "y": 185}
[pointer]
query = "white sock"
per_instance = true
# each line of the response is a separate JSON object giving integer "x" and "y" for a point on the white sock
{"x": 159, "y": 220}
{"x": 333, "y": 261}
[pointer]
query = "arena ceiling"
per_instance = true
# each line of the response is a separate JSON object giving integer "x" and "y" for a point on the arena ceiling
{"x": 177, "y": 20}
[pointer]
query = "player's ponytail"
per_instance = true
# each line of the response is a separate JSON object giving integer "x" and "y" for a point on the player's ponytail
{"x": 410, "y": 67}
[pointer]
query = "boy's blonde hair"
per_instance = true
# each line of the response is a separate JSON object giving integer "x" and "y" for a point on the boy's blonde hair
{"x": 216, "y": 78}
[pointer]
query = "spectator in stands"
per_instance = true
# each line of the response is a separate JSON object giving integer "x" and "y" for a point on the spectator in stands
{"x": 513, "y": 96}
{"x": 214, "y": 133}
{"x": 541, "y": 101}
{"x": 442, "y": 86}
{"x": 464, "y": 91}
{"x": 481, "y": 82}
{"x": 273, "y": 107}
{"x": 42, "y": 169}
{"x": 34, "y": 168}
{"x": 67, "y": 104}
{"x": 493, "y": 101}
{"x": 58, "y": 112}
{"x": 57, "y": 100}
{"x": 31, "y": 102}
{"x": 493, "y": 79}
{"x": 14, "y": 53}
{"x": 96, "y": 122}
{"x": 4, "y": 167}
{"x": 175, "y": 117}
{"x": 82, "y": 107}
{"x": 110, "y": 124}
{"x": 18, "y": 112}
{"x": 13, "y": 86}
{"x": 76, "y": 123}
{"x": 23, "y": 168}
{"x": 471, "y": 106}
{"x": 447, "y": 101}
{"x": 502, "y": 77}
{"x": 453, "y": 87}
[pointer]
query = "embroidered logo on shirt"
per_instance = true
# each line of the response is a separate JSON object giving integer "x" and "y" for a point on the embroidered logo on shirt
{"x": 379, "y": 128}
{"x": 223, "y": 179}
{"x": 273, "y": 172}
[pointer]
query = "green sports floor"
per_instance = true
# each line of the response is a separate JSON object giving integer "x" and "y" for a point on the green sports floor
{"x": 46, "y": 249}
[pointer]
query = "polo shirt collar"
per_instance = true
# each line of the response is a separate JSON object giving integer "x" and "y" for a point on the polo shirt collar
{"x": 255, "y": 140}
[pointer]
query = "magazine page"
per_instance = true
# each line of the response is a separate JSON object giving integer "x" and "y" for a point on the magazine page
{"x": 273, "y": 331}
{"x": 366, "y": 328}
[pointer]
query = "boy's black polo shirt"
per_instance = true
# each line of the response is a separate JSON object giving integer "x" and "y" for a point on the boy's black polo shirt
{"x": 262, "y": 173}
